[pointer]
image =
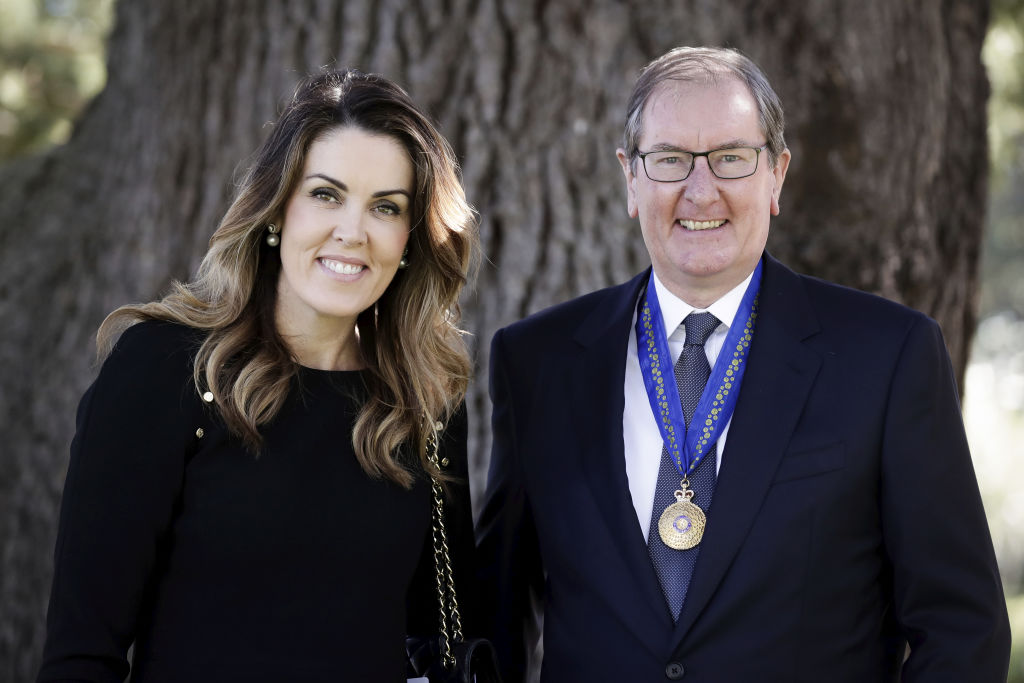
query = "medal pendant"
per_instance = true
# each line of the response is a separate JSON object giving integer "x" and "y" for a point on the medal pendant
{"x": 681, "y": 525}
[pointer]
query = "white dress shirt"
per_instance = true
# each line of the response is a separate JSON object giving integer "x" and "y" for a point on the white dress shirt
{"x": 642, "y": 440}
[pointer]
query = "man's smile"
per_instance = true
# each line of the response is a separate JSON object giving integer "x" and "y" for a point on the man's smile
{"x": 700, "y": 225}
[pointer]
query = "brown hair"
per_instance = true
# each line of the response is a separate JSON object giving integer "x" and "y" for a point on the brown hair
{"x": 418, "y": 366}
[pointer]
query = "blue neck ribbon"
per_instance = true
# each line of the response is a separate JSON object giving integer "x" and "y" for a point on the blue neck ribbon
{"x": 716, "y": 405}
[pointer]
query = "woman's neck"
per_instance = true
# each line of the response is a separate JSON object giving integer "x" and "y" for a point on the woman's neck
{"x": 326, "y": 354}
{"x": 322, "y": 343}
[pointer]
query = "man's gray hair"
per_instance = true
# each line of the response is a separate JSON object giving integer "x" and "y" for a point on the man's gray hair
{"x": 705, "y": 65}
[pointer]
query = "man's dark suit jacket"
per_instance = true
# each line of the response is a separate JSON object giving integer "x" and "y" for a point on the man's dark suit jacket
{"x": 846, "y": 520}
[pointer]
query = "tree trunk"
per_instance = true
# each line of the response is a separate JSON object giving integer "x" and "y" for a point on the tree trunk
{"x": 886, "y": 108}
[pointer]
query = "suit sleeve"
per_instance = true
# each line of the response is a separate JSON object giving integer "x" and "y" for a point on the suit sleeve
{"x": 506, "y": 537}
{"x": 124, "y": 475}
{"x": 948, "y": 596}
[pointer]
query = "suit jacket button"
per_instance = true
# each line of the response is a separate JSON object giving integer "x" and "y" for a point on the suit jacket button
{"x": 674, "y": 671}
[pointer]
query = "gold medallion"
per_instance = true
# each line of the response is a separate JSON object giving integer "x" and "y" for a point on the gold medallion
{"x": 681, "y": 525}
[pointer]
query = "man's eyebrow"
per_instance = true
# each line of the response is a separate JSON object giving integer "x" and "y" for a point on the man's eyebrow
{"x": 342, "y": 186}
{"x": 667, "y": 147}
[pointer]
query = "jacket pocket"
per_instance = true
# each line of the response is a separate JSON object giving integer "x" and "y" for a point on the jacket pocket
{"x": 810, "y": 462}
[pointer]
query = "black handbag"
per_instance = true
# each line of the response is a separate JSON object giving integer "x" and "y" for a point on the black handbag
{"x": 472, "y": 661}
{"x": 448, "y": 657}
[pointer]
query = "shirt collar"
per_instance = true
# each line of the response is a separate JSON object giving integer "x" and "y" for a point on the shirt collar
{"x": 674, "y": 310}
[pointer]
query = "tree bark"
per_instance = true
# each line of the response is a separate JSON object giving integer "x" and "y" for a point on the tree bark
{"x": 886, "y": 121}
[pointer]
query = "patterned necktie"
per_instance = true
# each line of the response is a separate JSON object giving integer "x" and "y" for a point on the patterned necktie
{"x": 675, "y": 567}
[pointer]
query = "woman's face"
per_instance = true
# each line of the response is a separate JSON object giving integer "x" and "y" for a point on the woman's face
{"x": 345, "y": 226}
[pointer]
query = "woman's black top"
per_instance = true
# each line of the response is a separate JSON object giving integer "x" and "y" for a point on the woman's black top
{"x": 219, "y": 565}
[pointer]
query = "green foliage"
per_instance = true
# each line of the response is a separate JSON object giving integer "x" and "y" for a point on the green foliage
{"x": 1016, "y": 607}
{"x": 52, "y": 62}
{"x": 1003, "y": 250}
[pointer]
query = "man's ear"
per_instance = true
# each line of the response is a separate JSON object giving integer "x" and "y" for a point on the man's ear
{"x": 781, "y": 166}
{"x": 627, "y": 170}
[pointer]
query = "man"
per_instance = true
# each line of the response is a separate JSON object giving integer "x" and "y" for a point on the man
{"x": 835, "y": 523}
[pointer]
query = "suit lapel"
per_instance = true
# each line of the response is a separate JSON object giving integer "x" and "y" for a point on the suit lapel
{"x": 597, "y": 381}
{"x": 775, "y": 387}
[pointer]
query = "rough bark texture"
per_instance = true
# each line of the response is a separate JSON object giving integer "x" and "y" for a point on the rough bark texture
{"x": 886, "y": 110}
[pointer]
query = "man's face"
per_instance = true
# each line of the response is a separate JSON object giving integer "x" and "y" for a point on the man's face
{"x": 704, "y": 234}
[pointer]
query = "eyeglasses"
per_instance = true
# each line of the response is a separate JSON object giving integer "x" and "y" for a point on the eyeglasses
{"x": 671, "y": 166}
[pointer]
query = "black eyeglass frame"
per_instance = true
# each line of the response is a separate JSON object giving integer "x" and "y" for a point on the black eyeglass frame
{"x": 693, "y": 162}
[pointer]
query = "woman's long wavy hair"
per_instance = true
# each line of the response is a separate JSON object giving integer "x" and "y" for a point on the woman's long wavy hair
{"x": 417, "y": 364}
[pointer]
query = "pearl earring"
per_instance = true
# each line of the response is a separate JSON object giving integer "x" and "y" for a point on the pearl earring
{"x": 404, "y": 263}
{"x": 272, "y": 238}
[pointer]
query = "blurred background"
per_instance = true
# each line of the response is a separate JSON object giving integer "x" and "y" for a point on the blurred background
{"x": 53, "y": 63}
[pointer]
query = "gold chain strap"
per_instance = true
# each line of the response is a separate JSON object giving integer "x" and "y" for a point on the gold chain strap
{"x": 451, "y": 622}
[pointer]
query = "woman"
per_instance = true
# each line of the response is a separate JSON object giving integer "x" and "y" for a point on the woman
{"x": 248, "y": 497}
